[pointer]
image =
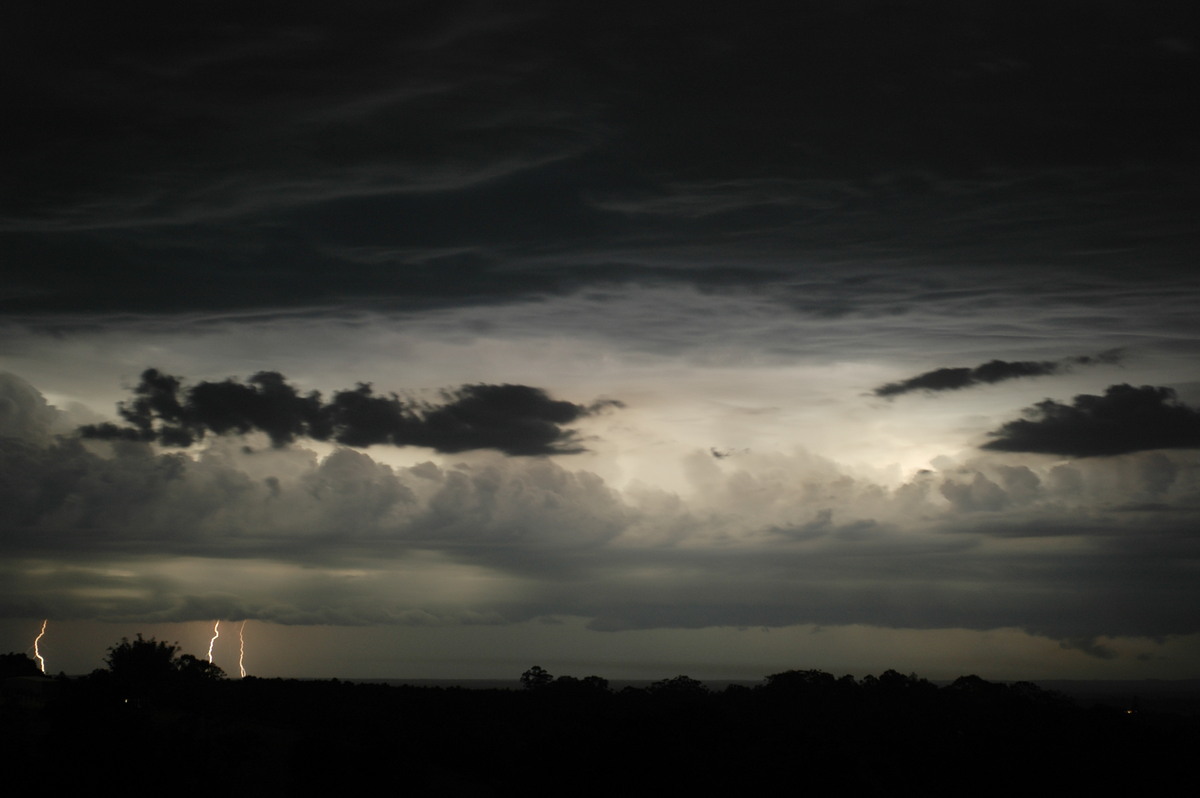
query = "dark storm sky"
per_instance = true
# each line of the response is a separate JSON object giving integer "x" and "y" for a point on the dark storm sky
{"x": 212, "y": 156}
{"x": 869, "y": 317}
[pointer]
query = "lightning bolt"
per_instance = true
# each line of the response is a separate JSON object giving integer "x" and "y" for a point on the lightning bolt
{"x": 36, "y": 640}
{"x": 242, "y": 649}
{"x": 216, "y": 634}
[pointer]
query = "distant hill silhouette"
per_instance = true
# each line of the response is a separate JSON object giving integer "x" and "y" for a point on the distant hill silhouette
{"x": 807, "y": 730}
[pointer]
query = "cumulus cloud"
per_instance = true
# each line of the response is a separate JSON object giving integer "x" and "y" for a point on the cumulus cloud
{"x": 954, "y": 379}
{"x": 1125, "y": 419}
{"x": 24, "y": 412}
{"x": 514, "y": 419}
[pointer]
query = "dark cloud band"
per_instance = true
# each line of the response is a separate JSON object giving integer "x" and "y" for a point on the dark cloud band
{"x": 514, "y": 419}
{"x": 1126, "y": 419}
{"x": 954, "y": 379}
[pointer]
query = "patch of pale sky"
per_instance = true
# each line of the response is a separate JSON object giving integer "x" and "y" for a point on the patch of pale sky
{"x": 743, "y": 401}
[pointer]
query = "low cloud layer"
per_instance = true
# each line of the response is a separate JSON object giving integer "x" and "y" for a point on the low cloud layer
{"x": 955, "y": 379}
{"x": 514, "y": 419}
{"x": 1125, "y": 419}
{"x": 761, "y": 539}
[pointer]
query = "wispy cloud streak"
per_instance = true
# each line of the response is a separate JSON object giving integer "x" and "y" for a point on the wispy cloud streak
{"x": 955, "y": 379}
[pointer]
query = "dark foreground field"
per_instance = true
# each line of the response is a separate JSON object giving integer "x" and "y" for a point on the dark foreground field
{"x": 801, "y": 732}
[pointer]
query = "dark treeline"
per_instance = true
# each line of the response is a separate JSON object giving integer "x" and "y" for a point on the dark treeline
{"x": 176, "y": 721}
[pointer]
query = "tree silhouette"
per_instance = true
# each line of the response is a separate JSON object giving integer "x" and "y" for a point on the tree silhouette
{"x": 142, "y": 665}
{"x": 536, "y": 678}
{"x": 15, "y": 664}
{"x": 796, "y": 682}
{"x": 193, "y": 669}
{"x": 141, "y": 660}
{"x": 679, "y": 686}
